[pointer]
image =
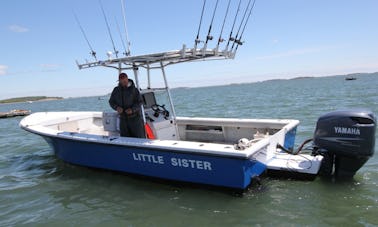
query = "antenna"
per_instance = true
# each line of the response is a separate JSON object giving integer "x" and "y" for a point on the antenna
{"x": 125, "y": 26}
{"x": 107, "y": 25}
{"x": 93, "y": 53}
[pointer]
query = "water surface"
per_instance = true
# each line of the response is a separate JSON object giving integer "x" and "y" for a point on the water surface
{"x": 38, "y": 189}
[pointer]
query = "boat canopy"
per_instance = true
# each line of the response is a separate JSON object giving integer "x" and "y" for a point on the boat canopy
{"x": 158, "y": 60}
{"x": 235, "y": 16}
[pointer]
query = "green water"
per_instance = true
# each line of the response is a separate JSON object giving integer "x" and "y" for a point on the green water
{"x": 36, "y": 189}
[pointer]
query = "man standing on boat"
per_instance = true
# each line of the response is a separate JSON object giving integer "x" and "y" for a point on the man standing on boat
{"x": 126, "y": 100}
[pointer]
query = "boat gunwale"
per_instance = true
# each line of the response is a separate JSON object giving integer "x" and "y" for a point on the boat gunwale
{"x": 121, "y": 141}
{"x": 199, "y": 148}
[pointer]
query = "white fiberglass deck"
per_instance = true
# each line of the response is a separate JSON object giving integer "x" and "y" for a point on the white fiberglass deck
{"x": 216, "y": 135}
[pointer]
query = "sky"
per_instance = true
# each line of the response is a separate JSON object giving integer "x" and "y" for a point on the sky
{"x": 40, "y": 41}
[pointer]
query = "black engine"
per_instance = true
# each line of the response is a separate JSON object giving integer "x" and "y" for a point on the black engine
{"x": 346, "y": 140}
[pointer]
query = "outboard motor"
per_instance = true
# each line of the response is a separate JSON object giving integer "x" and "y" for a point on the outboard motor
{"x": 346, "y": 140}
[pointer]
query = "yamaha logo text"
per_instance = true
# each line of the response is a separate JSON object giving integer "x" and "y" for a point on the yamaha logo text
{"x": 349, "y": 131}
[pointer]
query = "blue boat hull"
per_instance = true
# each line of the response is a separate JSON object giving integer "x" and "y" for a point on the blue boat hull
{"x": 166, "y": 164}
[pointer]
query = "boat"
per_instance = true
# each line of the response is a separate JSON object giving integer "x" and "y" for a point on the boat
{"x": 224, "y": 152}
{"x": 14, "y": 113}
{"x": 350, "y": 78}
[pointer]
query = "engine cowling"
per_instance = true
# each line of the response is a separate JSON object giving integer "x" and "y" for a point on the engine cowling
{"x": 346, "y": 139}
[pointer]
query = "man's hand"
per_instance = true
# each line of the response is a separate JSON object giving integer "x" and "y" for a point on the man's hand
{"x": 119, "y": 110}
{"x": 129, "y": 111}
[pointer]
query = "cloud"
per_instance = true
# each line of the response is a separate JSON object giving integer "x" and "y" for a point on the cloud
{"x": 49, "y": 66}
{"x": 296, "y": 52}
{"x": 3, "y": 70}
{"x": 43, "y": 68}
{"x": 356, "y": 67}
{"x": 18, "y": 28}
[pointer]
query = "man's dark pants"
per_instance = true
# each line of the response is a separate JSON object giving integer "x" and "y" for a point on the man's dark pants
{"x": 132, "y": 126}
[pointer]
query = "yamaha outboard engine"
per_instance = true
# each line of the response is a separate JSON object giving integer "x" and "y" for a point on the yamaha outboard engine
{"x": 346, "y": 140}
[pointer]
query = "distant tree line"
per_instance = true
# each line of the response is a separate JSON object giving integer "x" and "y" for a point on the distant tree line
{"x": 27, "y": 99}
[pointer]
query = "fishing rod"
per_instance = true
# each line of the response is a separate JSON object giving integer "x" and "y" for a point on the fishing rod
{"x": 93, "y": 53}
{"x": 107, "y": 25}
{"x": 197, "y": 40}
{"x": 120, "y": 36}
{"x": 241, "y": 23}
{"x": 239, "y": 42}
{"x": 233, "y": 25}
{"x": 224, "y": 21}
{"x": 125, "y": 27}
{"x": 209, "y": 37}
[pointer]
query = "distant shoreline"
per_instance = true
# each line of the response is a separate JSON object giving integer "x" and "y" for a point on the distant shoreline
{"x": 29, "y": 99}
{"x": 45, "y": 98}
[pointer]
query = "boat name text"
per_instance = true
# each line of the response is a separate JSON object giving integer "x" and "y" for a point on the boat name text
{"x": 176, "y": 162}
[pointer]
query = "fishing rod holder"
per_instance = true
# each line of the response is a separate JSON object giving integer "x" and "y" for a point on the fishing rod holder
{"x": 239, "y": 42}
{"x": 162, "y": 59}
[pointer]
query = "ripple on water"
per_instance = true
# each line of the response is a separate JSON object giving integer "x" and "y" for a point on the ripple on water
{"x": 38, "y": 189}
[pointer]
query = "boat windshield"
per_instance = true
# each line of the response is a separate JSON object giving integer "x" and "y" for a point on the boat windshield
{"x": 157, "y": 97}
{"x": 162, "y": 98}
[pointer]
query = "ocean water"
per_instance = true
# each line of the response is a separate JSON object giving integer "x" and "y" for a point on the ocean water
{"x": 37, "y": 189}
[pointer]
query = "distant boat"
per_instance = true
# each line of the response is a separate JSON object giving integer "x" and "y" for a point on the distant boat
{"x": 350, "y": 78}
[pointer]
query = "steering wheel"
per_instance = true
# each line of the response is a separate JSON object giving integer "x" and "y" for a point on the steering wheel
{"x": 160, "y": 109}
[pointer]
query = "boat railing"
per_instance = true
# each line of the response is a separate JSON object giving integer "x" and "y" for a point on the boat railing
{"x": 162, "y": 59}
